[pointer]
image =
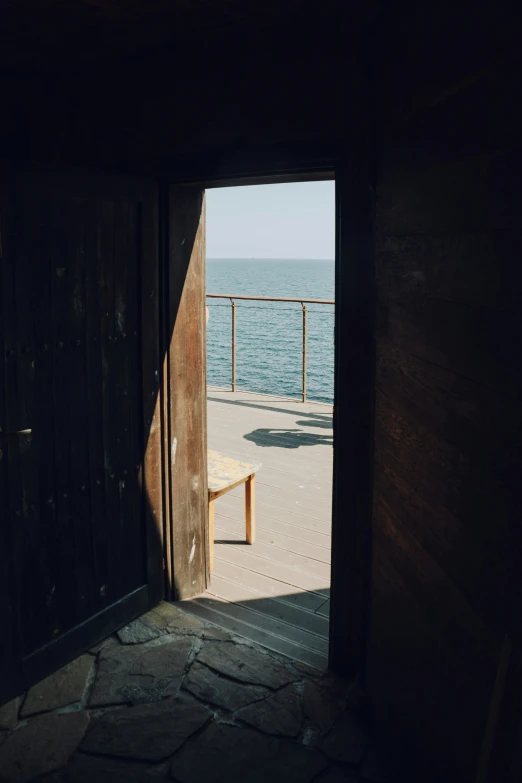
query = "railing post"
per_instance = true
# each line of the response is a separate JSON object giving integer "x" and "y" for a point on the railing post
{"x": 233, "y": 345}
{"x": 302, "y": 302}
{"x": 304, "y": 351}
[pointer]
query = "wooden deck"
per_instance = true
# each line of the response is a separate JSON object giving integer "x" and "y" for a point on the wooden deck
{"x": 275, "y": 592}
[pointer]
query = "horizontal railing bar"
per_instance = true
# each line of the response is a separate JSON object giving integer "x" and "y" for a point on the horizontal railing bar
{"x": 271, "y": 298}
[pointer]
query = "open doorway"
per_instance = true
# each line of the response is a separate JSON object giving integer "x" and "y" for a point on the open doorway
{"x": 270, "y": 286}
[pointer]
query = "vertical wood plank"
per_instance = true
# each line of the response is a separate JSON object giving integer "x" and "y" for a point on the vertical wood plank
{"x": 95, "y": 416}
{"x": 37, "y": 225}
{"x": 120, "y": 411}
{"x": 22, "y": 476}
{"x": 109, "y": 395}
{"x": 130, "y": 507}
{"x": 10, "y": 679}
{"x": 65, "y": 596}
{"x": 187, "y": 391}
{"x": 44, "y": 602}
{"x": 81, "y": 527}
{"x": 128, "y": 324}
{"x": 151, "y": 470}
{"x": 165, "y": 332}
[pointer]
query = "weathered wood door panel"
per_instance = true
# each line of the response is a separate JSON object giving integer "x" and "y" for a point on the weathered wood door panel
{"x": 185, "y": 392}
{"x": 10, "y": 685}
{"x": 81, "y": 375}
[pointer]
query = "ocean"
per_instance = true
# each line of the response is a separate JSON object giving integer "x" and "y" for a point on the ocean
{"x": 269, "y": 334}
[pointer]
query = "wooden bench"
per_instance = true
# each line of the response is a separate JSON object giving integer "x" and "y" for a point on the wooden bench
{"x": 224, "y": 474}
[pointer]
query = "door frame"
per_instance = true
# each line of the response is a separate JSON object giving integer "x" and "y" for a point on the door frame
{"x": 354, "y": 373}
{"x": 183, "y": 391}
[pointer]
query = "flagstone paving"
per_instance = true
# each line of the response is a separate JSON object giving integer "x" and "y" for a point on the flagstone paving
{"x": 171, "y": 697}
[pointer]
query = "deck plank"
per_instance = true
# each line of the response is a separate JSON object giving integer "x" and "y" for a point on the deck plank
{"x": 279, "y": 523}
{"x": 262, "y": 565}
{"x": 302, "y": 483}
{"x": 254, "y": 634}
{"x": 314, "y": 506}
{"x": 268, "y": 586}
{"x": 263, "y": 622}
{"x": 276, "y": 538}
{"x": 294, "y": 513}
{"x": 287, "y": 613}
{"x": 314, "y": 561}
{"x": 324, "y": 610}
{"x": 276, "y": 591}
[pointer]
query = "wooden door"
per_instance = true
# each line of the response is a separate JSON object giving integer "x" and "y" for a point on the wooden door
{"x": 185, "y": 399}
{"x": 10, "y": 671}
{"x": 81, "y": 499}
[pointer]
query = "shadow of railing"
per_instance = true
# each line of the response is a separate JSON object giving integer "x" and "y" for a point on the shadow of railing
{"x": 274, "y": 622}
{"x": 271, "y": 406}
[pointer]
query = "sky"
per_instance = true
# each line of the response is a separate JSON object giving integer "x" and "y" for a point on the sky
{"x": 294, "y": 220}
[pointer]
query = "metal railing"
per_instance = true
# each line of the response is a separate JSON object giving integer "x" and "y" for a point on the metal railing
{"x": 302, "y": 302}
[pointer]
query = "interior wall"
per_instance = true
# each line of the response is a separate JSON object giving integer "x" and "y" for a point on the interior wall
{"x": 446, "y": 545}
{"x": 447, "y": 540}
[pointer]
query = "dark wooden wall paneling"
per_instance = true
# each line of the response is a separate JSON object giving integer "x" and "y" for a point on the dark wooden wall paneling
{"x": 447, "y": 540}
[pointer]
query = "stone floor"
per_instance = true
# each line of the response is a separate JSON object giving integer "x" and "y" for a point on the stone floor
{"x": 171, "y": 697}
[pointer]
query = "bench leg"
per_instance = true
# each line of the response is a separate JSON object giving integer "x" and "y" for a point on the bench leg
{"x": 250, "y": 501}
{"x": 211, "y": 531}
